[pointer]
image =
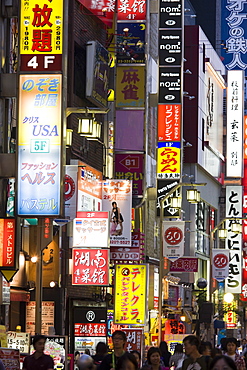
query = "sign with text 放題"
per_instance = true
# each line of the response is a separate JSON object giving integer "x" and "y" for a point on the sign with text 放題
{"x": 39, "y": 145}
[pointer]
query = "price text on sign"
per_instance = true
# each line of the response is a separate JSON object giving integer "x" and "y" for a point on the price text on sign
{"x": 220, "y": 260}
{"x": 173, "y": 235}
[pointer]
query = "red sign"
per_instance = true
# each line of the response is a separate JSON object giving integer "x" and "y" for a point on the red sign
{"x": 173, "y": 326}
{"x": 173, "y": 235}
{"x": 7, "y": 242}
{"x": 90, "y": 266}
{"x": 220, "y": 260}
{"x": 90, "y": 330}
{"x": 184, "y": 265}
{"x": 169, "y": 122}
{"x": 134, "y": 339}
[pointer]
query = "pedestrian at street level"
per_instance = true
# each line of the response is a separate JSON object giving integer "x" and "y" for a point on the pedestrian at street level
{"x": 127, "y": 362}
{"x": 85, "y": 362}
{"x": 110, "y": 361}
{"x": 154, "y": 360}
{"x": 205, "y": 349}
{"x": 216, "y": 352}
{"x": 244, "y": 346}
{"x": 178, "y": 357}
{"x": 165, "y": 354}
{"x": 195, "y": 360}
{"x": 231, "y": 351}
{"x": 38, "y": 360}
{"x": 138, "y": 357}
{"x": 222, "y": 362}
{"x": 101, "y": 352}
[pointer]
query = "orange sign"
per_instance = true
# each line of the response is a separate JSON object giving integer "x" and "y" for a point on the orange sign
{"x": 169, "y": 122}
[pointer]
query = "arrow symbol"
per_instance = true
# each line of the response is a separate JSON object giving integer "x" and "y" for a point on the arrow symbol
{"x": 130, "y": 162}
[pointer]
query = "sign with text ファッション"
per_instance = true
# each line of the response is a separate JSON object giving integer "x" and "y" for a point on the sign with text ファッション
{"x": 130, "y": 294}
{"x": 91, "y": 230}
{"x": 39, "y": 145}
{"x": 173, "y": 239}
{"x": 220, "y": 264}
{"x": 90, "y": 266}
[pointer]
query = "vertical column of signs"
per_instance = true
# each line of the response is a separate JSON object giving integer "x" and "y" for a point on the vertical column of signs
{"x": 40, "y": 108}
{"x": 170, "y": 92}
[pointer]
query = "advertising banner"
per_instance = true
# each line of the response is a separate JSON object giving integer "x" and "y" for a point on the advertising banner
{"x": 233, "y": 243}
{"x": 134, "y": 339}
{"x": 91, "y": 230}
{"x": 168, "y": 160}
{"x": 170, "y": 47}
{"x": 184, "y": 264}
{"x": 171, "y": 13}
{"x": 130, "y": 294}
{"x": 230, "y": 316}
{"x": 89, "y": 188}
{"x": 39, "y": 145}
{"x": 7, "y": 242}
{"x": 130, "y": 167}
{"x": 234, "y": 137}
{"x": 90, "y": 330}
{"x": 220, "y": 264}
{"x": 41, "y": 35}
{"x": 130, "y": 90}
{"x": 243, "y": 295}
{"x": 117, "y": 199}
{"x": 169, "y": 85}
{"x": 173, "y": 239}
{"x": 10, "y": 358}
{"x": 70, "y": 191}
{"x": 56, "y": 347}
{"x": 47, "y": 316}
{"x": 163, "y": 188}
{"x": 169, "y": 122}
{"x": 90, "y": 266}
{"x": 131, "y": 44}
{"x": 19, "y": 341}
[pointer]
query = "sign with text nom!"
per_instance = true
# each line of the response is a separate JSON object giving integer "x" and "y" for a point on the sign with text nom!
{"x": 41, "y": 35}
{"x": 7, "y": 242}
{"x": 39, "y": 145}
{"x": 90, "y": 266}
{"x": 130, "y": 294}
{"x": 91, "y": 230}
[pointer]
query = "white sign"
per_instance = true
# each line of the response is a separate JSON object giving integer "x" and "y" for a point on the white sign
{"x": 91, "y": 230}
{"x": 47, "y": 317}
{"x": 117, "y": 198}
{"x": 173, "y": 239}
{"x": 19, "y": 341}
{"x": 220, "y": 264}
{"x": 234, "y": 241}
{"x": 70, "y": 191}
{"x": 234, "y": 138}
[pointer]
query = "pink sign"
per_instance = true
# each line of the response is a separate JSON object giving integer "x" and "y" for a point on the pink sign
{"x": 90, "y": 266}
{"x": 130, "y": 167}
{"x": 90, "y": 330}
{"x": 184, "y": 265}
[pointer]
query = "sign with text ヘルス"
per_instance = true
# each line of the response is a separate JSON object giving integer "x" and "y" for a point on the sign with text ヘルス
{"x": 90, "y": 266}
{"x": 130, "y": 294}
{"x": 39, "y": 145}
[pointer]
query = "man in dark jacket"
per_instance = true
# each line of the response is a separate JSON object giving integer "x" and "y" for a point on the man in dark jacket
{"x": 38, "y": 360}
{"x": 110, "y": 361}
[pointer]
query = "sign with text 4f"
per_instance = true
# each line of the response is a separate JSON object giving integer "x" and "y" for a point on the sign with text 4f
{"x": 91, "y": 230}
{"x": 220, "y": 264}
{"x": 168, "y": 160}
{"x": 7, "y": 242}
{"x": 39, "y": 145}
{"x": 90, "y": 266}
{"x": 41, "y": 35}
{"x": 130, "y": 294}
{"x": 173, "y": 239}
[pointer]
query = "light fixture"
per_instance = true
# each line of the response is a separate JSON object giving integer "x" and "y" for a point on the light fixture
{"x": 96, "y": 131}
{"x": 228, "y": 297}
{"x": 222, "y": 233}
{"x": 85, "y": 126}
{"x": 236, "y": 228}
{"x": 34, "y": 259}
{"x": 176, "y": 202}
{"x": 188, "y": 72}
{"x": 183, "y": 318}
{"x": 193, "y": 195}
{"x": 68, "y": 137}
{"x": 53, "y": 284}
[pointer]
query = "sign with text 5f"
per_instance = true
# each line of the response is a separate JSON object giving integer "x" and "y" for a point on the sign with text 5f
{"x": 41, "y": 35}
{"x": 39, "y": 145}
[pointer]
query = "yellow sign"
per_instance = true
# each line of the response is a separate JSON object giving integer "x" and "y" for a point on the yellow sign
{"x": 230, "y": 317}
{"x": 130, "y": 87}
{"x": 168, "y": 160}
{"x": 130, "y": 294}
{"x": 41, "y": 27}
{"x": 8, "y": 274}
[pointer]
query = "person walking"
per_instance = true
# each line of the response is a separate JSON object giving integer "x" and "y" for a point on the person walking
{"x": 231, "y": 351}
{"x": 195, "y": 360}
{"x": 110, "y": 361}
{"x": 38, "y": 360}
{"x": 154, "y": 361}
{"x": 177, "y": 358}
{"x": 165, "y": 354}
{"x": 101, "y": 352}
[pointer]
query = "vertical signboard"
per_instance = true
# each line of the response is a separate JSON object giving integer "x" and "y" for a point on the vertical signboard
{"x": 234, "y": 148}
{"x": 7, "y": 242}
{"x": 243, "y": 296}
{"x": 130, "y": 294}
{"x": 117, "y": 198}
{"x": 41, "y": 35}
{"x": 130, "y": 167}
{"x": 89, "y": 188}
{"x": 39, "y": 145}
{"x": 220, "y": 264}
{"x": 173, "y": 239}
{"x": 234, "y": 240}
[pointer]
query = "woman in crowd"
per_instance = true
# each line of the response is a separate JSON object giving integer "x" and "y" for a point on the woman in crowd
{"x": 231, "y": 351}
{"x": 165, "y": 354}
{"x": 222, "y": 362}
{"x": 177, "y": 358}
{"x": 154, "y": 360}
{"x": 127, "y": 362}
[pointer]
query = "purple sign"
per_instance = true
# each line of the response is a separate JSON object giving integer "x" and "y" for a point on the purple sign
{"x": 184, "y": 264}
{"x": 130, "y": 167}
{"x": 129, "y": 130}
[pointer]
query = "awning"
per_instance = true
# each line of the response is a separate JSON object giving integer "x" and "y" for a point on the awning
{"x": 17, "y": 295}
